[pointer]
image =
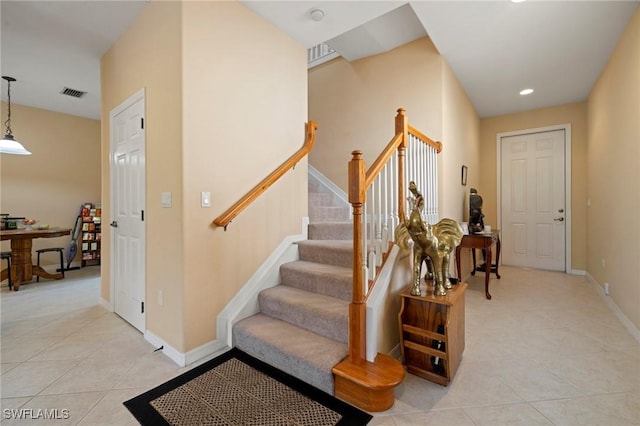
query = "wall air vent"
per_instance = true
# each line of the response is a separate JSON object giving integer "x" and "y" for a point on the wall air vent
{"x": 73, "y": 92}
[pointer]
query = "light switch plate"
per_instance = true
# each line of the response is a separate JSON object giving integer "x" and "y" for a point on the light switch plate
{"x": 165, "y": 199}
{"x": 205, "y": 199}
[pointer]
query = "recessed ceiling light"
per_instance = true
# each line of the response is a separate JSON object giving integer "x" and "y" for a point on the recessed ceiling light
{"x": 517, "y": 1}
{"x": 316, "y": 14}
{"x": 526, "y": 92}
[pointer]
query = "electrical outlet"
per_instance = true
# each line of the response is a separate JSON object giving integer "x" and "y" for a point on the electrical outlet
{"x": 603, "y": 263}
{"x": 160, "y": 298}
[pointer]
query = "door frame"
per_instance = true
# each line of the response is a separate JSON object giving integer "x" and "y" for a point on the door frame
{"x": 140, "y": 94}
{"x": 567, "y": 180}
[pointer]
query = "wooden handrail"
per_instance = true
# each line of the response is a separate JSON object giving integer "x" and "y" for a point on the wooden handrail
{"x": 426, "y": 139}
{"x": 382, "y": 159}
{"x": 225, "y": 218}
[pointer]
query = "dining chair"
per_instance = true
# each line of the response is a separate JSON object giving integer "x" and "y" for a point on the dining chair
{"x": 51, "y": 249}
{"x": 6, "y": 255}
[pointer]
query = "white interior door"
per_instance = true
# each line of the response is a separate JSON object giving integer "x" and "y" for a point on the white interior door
{"x": 533, "y": 208}
{"x": 127, "y": 210}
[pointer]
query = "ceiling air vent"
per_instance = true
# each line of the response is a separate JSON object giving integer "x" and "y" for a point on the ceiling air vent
{"x": 73, "y": 92}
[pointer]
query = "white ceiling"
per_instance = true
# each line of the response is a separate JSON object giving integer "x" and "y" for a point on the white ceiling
{"x": 495, "y": 48}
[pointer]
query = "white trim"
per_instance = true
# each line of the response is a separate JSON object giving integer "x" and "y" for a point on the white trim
{"x": 375, "y": 302}
{"x": 172, "y": 353}
{"x": 184, "y": 359}
{"x": 203, "y": 351}
{"x": 630, "y": 326}
{"x": 245, "y": 302}
{"x": 396, "y": 352}
{"x": 329, "y": 185}
{"x": 107, "y": 305}
{"x": 567, "y": 180}
{"x": 578, "y": 272}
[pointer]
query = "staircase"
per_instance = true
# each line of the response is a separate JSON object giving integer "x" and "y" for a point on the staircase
{"x": 302, "y": 327}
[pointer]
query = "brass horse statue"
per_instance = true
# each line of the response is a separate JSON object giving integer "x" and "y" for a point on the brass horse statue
{"x": 433, "y": 244}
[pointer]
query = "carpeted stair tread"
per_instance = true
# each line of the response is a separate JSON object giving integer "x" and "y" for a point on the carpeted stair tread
{"x": 324, "y": 315}
{"x": 330, "y": 252}
{"x": 299, "y": 352}
{"x": 331, "y": 230}
{"x": 330, "y": 280}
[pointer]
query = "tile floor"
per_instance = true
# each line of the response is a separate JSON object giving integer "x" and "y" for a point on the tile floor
{"x": 547, "y": 350}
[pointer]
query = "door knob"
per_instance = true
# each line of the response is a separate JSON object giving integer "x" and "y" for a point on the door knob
{"x": 559, "y": 219}
{"x": 114, "y": 224}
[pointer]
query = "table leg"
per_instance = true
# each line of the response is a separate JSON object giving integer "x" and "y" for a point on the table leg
{"x": 40, "y": 272}
{"x": 458, "y": 250}
{"x": 21, "y": 267}
{"x": 473, "y": 255}
{"x": 497, "y": 257}
{"x": 487, "y": 275}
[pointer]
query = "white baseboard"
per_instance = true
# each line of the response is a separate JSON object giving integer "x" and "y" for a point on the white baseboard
{"x": 578, "y": 272}
{"x": 203, "y": 351}
{"x": 245, "y": 302}
{"x": 396, "y": 352}
{"x": 616, "y": 310}
{"x": 172, "y": 353}
{"x": 107, "y": 305}
{"x": 184, "y": 359}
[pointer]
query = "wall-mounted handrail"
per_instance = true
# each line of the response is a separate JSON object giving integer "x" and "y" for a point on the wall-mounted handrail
{"x": 310, "y": 136}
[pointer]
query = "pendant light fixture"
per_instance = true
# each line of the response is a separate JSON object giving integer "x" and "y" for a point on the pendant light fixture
{"x": 8, "y": 144}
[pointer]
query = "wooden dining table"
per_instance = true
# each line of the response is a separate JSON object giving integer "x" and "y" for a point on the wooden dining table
{"x": 22, "y": 267}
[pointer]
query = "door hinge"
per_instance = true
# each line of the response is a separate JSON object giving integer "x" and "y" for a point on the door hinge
{"x": 142, "y": 307}
{"x": 142, "y": 122}
{"x": 142, "y": 215}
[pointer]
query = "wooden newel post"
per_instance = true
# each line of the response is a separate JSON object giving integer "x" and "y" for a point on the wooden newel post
{"x": 402, "y": 126}
{"x": 357, "y": 308}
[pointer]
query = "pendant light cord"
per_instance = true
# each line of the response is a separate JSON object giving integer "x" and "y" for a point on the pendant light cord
{"x": 8, "y": 122}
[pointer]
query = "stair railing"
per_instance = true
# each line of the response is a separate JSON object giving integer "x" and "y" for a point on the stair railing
{"x": 310, "y": 136}
{"x": 378, "y": 199}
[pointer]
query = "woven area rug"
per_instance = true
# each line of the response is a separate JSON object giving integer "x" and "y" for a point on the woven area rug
{"x": 238, "y": 389}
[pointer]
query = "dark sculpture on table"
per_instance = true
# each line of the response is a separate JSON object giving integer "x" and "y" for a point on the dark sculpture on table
{"x": 476, "y": 218}
{"x": 431, "y": 243}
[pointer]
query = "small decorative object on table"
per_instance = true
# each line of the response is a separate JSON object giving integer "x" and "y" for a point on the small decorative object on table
{"x": 28, "y": 223}
{"x": 476, "y": 218}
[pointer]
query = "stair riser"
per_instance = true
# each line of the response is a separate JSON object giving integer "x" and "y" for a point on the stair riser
{"x": 291, "y": 349}
{"x": 340, "y": 286}
{"x": 318, "y": 199}
{"x": 328, "y": 214}
{"x": 311, "y": 316}
{"x": 337, "y": 257}
{"x": 331, "y": 231}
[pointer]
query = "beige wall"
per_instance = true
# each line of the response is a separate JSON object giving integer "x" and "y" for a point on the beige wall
{"x": 245, "y": 105}
{"x": 461, "y": 146}
{"x": 210, "y": 127}
{"x": 461, "y": 128}
{"x": 62, "y": 173}
{"x": 355, "y": 103}
{"x": 574, "y": 114}
{"x": 148, "y": 55}
{"x": 614, "y": 174}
